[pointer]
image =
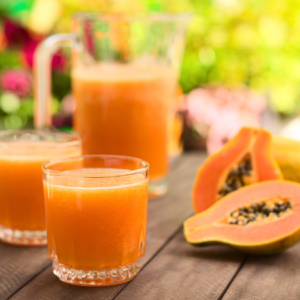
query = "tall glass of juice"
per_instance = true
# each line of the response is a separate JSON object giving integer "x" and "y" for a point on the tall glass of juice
{"x": 22, "y": 154}
{"x": 96, "y": 213}
{"x": 124, "y": 77}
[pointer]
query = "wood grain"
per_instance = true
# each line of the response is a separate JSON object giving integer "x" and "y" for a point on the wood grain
{"x": 47, "y": 287}
{"x": 181, "y": 271}
{"x": 165, "y": 216}
{"x": 18, "y": 265}
{"x": 268, "y": 277}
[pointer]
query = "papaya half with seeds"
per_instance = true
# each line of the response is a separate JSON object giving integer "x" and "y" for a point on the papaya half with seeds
{"x": 244, "y": 160}
{"x": 286, "y": 153}
{"x": 263, "y": 218}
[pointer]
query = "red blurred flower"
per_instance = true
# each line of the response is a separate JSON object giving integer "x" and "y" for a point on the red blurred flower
{"x": 60, "y": 120}
{"x": 58, "y": 60}
{"x": 14, "y": 33}
{"x": 28, "y": 50}
{"x": 16, "y": 81}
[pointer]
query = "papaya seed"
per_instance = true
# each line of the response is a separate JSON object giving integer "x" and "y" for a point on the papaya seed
{"x": 254, "y": 206}
{"x": 270, "y": 204}
{"x": 235, "y": 214}
{"x": 236, "y": 176}
{"x": 255, "y": 212}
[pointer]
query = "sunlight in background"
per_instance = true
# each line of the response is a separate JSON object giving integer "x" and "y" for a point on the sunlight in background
{"x": 230, "y": 43}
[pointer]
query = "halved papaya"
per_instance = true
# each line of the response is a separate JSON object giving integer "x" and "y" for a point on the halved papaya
{"x": 263, "y": 218}
{"x": 244, "y": 160}
{"x": 286, "y": 153}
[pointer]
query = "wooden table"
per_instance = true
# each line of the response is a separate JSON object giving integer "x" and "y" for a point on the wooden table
{"x": 172, "y": 269}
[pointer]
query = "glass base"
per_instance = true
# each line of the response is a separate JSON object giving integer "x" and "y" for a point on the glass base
{"x": 158, "y": 187}
{"x": 96, "y": 277}
{"x": 23, "y": 237}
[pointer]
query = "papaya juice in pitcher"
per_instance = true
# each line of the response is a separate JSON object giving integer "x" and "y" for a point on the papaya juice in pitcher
{"x": 123, "y": 109}
{"x": 124, "y": 72}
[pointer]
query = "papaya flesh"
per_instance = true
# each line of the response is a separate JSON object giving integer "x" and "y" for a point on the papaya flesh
{"x": 244, "y": 160}
{"x": 271, "y": 231}
{"x": 286, "y": 153}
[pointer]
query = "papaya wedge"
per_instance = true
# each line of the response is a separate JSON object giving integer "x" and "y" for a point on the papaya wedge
{"x": 244, "y": 160}
{"x": 262, "y": 218}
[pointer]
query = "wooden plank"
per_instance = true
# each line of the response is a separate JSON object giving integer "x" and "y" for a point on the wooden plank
{"x": 181, "y": 271}
{"x": 165, "y": 216}
{"x": 18, "y": 265}
{"x": 47, "y": 287}
{"x": 268, "y": 277}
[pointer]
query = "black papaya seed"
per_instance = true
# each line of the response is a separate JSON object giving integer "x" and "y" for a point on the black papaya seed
{"x": 254, "y": 207}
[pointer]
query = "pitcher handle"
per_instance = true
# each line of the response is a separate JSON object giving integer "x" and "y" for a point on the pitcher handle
{"x": 42, "y": 76}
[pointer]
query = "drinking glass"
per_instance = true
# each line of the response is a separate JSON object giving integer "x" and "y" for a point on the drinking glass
{"x": 96, "y": 214}
{"x": 22, "y": 154}
{"x": 124, "y": 76}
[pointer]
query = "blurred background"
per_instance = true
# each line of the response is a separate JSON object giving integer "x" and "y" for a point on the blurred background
{"x": 241, "y": 65}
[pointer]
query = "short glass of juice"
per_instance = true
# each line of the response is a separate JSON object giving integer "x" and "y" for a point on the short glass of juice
{"x": 96, "y": 215}
{"x": 22, "y": 154}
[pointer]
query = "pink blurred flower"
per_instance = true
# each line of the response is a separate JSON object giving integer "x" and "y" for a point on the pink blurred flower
{"x": 16, "y": 81}
{"x": 227, "y": 126}
{"x": 68, "y": 105}
{"x": 205, "y": 105}
{"x": 223, "y": 112}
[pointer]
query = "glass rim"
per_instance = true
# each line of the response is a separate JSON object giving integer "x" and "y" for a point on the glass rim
{"x": 145, "y": 166}
{"x": 127, "y": 17}
{"x": 9, "y": 144}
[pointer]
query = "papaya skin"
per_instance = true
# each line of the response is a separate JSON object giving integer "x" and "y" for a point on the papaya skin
{"x": 210, "y": 176}
{"x": 286, "y": 153}
{"x": 206, "y": 228}
{"x": 275, "y": 247}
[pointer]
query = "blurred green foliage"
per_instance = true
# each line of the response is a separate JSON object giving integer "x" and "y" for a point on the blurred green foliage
{"x": 251, "y": 42}
{"x": 233, "y": 42}
{"x": 229, "y": 42}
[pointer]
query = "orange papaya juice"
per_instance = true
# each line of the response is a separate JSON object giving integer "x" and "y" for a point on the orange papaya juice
{"x": 96, "y": 215}
{"x": 21, "y": 186}
{"x": 123, "y": 110}
{"x": 99, "y": 225}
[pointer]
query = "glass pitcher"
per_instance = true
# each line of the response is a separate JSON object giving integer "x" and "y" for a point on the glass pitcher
{"x": 124, "y": 77}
